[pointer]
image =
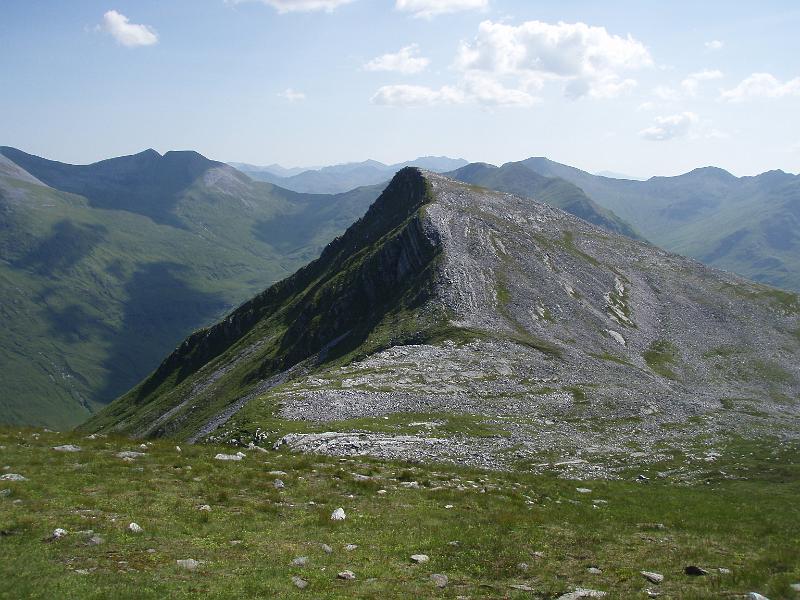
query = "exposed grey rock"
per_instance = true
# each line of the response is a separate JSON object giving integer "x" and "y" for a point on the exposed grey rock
{"x": 594, "y": 571}
{"x": 521, "y": 587}
{"x": 351, "y": 547}
{"x": 326, "y": 548}
{"x": 348, "y": 575}
{"x": 300, "y": 561}
{"x": 13, "y": 477}
{"x": 278, "y": 484}
{"x": 756, "y": 596}
{"x": 338, "y": 515}
{"x": 95, "y": 540}
{"x": 653, "y": 577}
{"x": 439, "y": 580}
{"x": 420, "y": 558}
{"x": 67, "y": 448}
{"x": 129, "y": 454}
{"x": 58, "y": 534}
{"x": 204, "y": 508}
{"x": 5, "y": 492}
{"x": 135, "y": 528}
{"x": 228, "y": 457}
{"x": 189, "y": 564}
{"x": 583, "y": 490}
{"x": 582, "y": 593}
{"x": 299, "y": 582}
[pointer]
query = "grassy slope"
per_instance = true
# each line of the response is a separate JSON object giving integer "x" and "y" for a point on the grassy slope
{"x": 94, "y": 298}
{"x": 746, "y": 520}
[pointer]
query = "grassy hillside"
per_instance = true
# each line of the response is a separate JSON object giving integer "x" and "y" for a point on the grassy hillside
{"x": 96, "y": 290}
{"x": 747, "y": 225}
{"x": 491, "y": 534}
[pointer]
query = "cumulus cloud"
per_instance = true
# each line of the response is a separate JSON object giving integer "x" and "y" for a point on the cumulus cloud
{"x": 127, "y": 33}
{"x": 416, "y": 95}
{"x": 762, "y": 85}
{"x": 670, "y": 127}
{"x": 427, "y": 9}
{"x": 692, "y": 82}
{"x": 588, "y": 60}
{"x": 714, "y": 45}
{"x": 406, "y": 61}
{"x": 287, "y": 6}
{"x": 292, "y": 95}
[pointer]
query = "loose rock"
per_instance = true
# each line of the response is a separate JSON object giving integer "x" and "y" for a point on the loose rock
{"x": 67, "y": 448}
{"x": 13, "y": 477}
{"x": 351, "y": 547}
{"x": 347, "y": 575}
{"x": 439, "y": 580}
{"x": 189, "y": 564}
{"x": 420, "y": 558}
{"x": 756, "y": 596}
{"x": 233, "y": 457}
{"x": 278, "y": 484}
{"x": 695, "y": 571}
{"x": 300, "y": 561}
{"x": 299, "y": 582}
{"x": 338, "y": 515}
{"x": 582, "y": 593}
{"x": 652, "y": 577}
{"x": 129, "y": 455}
{"x": 134, "y": 528}
{"x": 326, "y": 549}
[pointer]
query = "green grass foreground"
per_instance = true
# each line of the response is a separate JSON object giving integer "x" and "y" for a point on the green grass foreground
{"x": 742, "y": 514}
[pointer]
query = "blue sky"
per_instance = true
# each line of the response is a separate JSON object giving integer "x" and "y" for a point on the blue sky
{"x": 639, "y": 87}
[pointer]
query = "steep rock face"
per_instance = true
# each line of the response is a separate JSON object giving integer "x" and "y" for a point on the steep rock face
{"x": 495, "y": 312}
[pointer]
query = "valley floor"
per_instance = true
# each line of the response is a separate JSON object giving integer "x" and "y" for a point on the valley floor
{"x": 492, "y": 534}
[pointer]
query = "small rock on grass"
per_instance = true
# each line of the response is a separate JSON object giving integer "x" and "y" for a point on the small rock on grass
{"x": 338, "y": 515}
{"x": 326, "y": 549}
{"x": 135, "y": 528}
{"x": 204, "y": 508}
{"x": 756, "y": 596}
{"x": 95, "y": 540}
{"x": 652, "y": 577}
{"x": 439, "y": 580}
{"x": 594, "y": 571}
{"x": 420, "y": 558}
{"x": 67, "y": 448}
{"x": 346, "y": 575}
{"x": 351, "y": 547}
{"x": 582, "y": 593}
{"x": 795, "y": 587}
{"x": 13, "y": 477}
{"x": 129, "y": 455}
{"x": 278, "y": 484}
{"x": 189, "y": 564}
{"x": 299, "y": 582}
{"x": 231, "y": 457}
{"x": 583, "y": 490}
{"x": 57, "y": 535}
{"x": 695, "y": 571}
{"x": 300, "y": 561}
{"x": 521, "y": 587}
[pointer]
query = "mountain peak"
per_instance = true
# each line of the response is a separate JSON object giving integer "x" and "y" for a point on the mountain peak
{"x": 449, "y": 298}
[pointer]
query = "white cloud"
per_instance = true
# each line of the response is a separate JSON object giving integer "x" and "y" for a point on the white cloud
{"x": 588, "y": 59}
{"x": 292, "y": 95}
{"x": 692, "y": 82}
{"x": 416, "y": 95}
{"x": 488, "y": 91}
{"x": 427, "y": 9}
{"x": 714, "y": 45}
{"x": 645, "y": 106}
{"x": 287, "y": 6}
{"x": 406, "y": 61}
{"x": 670, "y": 127}
{"x": 127, "y": 33}
{"x": 762, "y": 85}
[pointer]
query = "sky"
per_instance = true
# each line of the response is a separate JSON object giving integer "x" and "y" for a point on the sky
{"x": 639, "y": 87}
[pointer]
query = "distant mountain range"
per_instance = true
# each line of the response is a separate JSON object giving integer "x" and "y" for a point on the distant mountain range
{"x": 748, "y": 225}
{"x": 340, "y": 178}
{"x": 104, "y": 268}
